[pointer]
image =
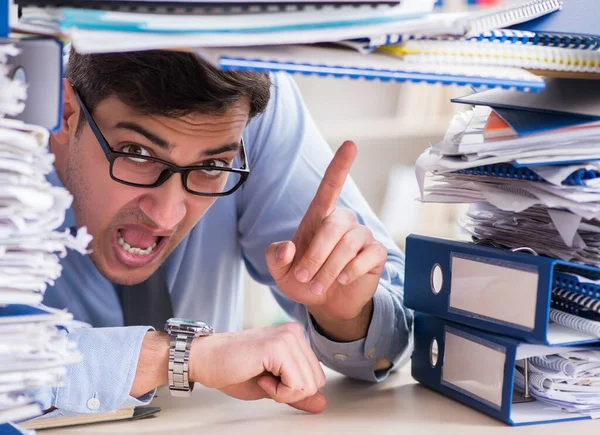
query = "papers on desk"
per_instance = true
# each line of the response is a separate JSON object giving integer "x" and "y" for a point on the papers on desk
{"x": 33, "y": 347}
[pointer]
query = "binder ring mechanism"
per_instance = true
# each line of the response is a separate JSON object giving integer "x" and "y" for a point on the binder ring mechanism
{"x": 525, "y": 396}
{"x": 525, "y": 249}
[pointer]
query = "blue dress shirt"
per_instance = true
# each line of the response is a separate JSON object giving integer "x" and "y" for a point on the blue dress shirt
{"x": 287, "y": 158}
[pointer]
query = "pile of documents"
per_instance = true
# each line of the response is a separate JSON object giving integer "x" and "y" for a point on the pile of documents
{"x": 559, "y": 44}
{"x": 323, "y": 37}
{"x": 569, "y": 380}
{"x": 529, "y": 279}
{"x": 33, "y": 350}
{"x": 528, "y": 161}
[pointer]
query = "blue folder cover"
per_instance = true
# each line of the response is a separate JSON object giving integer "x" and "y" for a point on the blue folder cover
{"x": 525, "y": 122}
{"x": 492, "y": 289}
{"x": 477, "y": 369}
{"x": 577, "y": 17}
{"x": 570, "y": 97}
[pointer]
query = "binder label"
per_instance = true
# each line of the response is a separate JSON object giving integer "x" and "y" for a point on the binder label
{"x": 474, "y": 367}
{"x": 501, "y": 291}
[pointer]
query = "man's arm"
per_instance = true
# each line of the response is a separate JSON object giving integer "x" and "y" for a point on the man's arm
{"x": 289, "y": 158}
{"x": 123, "y": 366}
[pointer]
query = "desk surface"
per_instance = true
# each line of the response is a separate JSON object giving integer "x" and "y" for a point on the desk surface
{"x": 398, "y": 405}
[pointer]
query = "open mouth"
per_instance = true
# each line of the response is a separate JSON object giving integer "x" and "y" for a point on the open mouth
{"x": 136, "y": 247}
{"x": 135, "y": 250}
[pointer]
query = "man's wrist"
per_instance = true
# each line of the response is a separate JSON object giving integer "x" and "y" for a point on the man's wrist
{"x": 153, "y": 363}
{"x": 344, "y": 330}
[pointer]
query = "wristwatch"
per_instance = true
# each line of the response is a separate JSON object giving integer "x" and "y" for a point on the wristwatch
{"x": 182, "y": 332}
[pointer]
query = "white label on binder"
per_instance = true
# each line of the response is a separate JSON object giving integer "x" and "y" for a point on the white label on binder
{"x": 474, "y": 367}
{"x": 501, "y": 291}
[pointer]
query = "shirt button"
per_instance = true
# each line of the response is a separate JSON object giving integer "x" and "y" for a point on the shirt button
{"x": 340, "y": 357}
{"x": 371, "y": 352}
{"x": 93, "y": 404}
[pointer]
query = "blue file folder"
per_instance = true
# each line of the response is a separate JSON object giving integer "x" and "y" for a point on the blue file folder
{"x": 478, "y": 369}
{"x": 493, "y": 289}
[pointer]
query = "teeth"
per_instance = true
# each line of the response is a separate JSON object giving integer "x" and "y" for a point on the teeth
{"x": 133, "y": 250}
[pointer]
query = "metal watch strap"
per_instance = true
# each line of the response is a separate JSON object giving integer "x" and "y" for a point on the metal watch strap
{"x": 179, "y": 358}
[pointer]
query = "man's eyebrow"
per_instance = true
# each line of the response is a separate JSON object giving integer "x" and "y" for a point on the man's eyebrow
{"x": 125, "y": 125}
{"x": 235, "y": 146}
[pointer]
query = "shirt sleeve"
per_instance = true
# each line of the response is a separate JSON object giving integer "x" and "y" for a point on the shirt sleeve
{"x": 101, "y": 382}
{"x": 288, "y": 157}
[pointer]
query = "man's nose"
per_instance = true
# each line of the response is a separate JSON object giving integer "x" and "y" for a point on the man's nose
{"x": 165, "y": 205}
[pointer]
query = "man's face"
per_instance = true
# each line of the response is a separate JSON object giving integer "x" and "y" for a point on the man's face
{"x": 120, "y": 217}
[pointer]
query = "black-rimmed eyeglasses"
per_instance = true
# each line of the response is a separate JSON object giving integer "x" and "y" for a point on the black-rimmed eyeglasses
{"x": 146, "y": 171}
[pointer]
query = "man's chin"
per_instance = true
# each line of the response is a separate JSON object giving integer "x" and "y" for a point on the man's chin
{"x": 120, "y": 274}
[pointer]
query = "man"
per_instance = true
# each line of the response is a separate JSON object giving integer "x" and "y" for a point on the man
{"x": 183, "y": 174}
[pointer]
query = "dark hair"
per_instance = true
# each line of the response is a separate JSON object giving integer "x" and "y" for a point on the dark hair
{"x": 167, "y": 83}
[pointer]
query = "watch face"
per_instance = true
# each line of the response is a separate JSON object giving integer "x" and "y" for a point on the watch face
{"x": 186, "y": 322}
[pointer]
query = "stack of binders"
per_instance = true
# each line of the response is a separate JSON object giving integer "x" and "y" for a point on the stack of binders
{"x": 509, "y": 323}
{"x": 34, "y": 350}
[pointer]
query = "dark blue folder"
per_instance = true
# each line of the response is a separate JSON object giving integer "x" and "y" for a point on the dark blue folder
{"x": 577, "y": 17}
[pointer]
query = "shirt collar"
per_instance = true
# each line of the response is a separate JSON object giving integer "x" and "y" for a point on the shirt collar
{"x": 69, "y": 221}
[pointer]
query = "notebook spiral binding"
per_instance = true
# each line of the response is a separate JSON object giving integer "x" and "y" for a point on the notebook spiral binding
{"x": 578, "y": 299}
{"x": 577, "y": 178}
{"x": 574, "y": 322}
{"x": 558, "y": 364}
{"x": 575, "y": 304}
{"x": 504, "y": 36}
{"x": 537, "y": 380}
{"x": 523, "y": 56}
{"x": 567, "y": 282}
{"x": 520, "y": 13}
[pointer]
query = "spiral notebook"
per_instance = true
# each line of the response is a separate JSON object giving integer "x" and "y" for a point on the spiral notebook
{"x": 498, "y": 36}
{"x": 577, "y": 304}
{"x": 286, "y": 21}
{"x": 482, "y": 25}
{"x": 338, "y": 62}
{"x": 533, "y": 57}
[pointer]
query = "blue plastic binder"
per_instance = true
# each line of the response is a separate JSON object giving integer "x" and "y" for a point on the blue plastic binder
{"x": 478, "y": 369}
{"x": 492, "y": 289}
{"x": 40, "y": 65}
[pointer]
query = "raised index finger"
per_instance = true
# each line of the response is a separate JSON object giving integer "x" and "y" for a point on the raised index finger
{"x": 325, "y": 200}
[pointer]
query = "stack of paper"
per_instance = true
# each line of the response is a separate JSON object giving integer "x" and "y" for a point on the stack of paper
{"x": 569, "y": 380}
{"x": 33, "y": 350}
{"x": 236, "y": 37}
{"x": 532, "y": 166}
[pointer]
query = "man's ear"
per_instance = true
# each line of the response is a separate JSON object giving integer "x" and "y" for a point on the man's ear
{"x": 70, "y": 116}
